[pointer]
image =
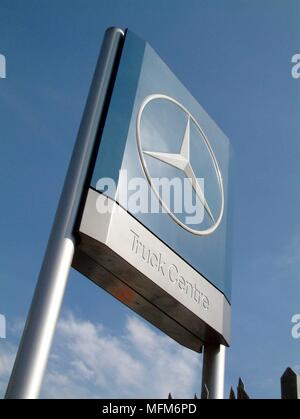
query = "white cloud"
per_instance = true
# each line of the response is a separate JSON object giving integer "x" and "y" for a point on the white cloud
{"x": 7, "y": 355}
{"x": 88, "y": 361}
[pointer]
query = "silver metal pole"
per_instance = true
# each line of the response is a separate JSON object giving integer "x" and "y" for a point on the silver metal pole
{"x": 31, "y": 361}
{"x": 213, "y": 371}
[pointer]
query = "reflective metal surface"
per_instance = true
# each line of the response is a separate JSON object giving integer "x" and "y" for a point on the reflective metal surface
{"x": 118, "y": 253}
{"x": 27, "y": 375}
{"x": 162, "y": 125}
{"x": 213, "y": 371}
{"x": 174, "y": 273}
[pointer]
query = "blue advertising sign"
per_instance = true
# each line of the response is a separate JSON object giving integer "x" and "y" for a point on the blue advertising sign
{"x": 155, "y": 229}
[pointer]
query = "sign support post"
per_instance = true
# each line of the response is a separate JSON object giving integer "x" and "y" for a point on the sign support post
{"x": 31, "y": 361}
{"x": 213, "y": 371}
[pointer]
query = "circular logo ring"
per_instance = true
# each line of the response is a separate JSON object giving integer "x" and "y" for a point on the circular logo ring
{"x": 145, "y": 102}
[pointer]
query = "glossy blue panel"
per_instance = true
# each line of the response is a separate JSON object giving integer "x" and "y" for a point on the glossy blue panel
{"x": 142, "y": 73}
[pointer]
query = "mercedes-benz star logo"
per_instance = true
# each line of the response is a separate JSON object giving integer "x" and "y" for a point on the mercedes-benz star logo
{"x": 182, "y": 162}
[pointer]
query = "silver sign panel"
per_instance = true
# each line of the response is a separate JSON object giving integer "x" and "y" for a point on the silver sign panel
{"x": 122, "y": 256}
{"x": 173, "y": 272}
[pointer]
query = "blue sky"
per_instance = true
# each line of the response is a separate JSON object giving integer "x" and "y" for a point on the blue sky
{"x": 235, "y": 58}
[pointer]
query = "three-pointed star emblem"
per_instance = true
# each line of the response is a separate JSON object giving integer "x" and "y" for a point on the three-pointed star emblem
{"x": 182, "y": 162}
